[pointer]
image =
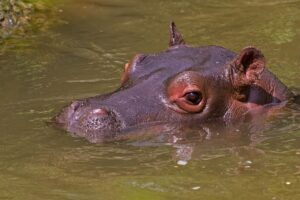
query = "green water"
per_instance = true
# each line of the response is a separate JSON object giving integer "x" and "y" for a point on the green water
{"x": 84, "y": 54}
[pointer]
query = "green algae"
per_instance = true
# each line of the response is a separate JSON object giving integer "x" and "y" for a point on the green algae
{"x": 18, "y": 17}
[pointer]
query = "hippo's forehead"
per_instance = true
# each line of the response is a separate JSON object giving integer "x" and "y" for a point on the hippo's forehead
{"x": 208, "y": 59}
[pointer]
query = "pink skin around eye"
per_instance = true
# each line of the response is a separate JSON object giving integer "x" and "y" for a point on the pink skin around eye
{"x": 177, "y": 95}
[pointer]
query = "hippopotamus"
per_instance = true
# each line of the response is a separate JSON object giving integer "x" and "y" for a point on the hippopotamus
{"x": 182, "y": 85}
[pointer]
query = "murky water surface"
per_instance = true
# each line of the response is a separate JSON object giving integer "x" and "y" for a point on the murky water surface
{"x": 84, "y": 56}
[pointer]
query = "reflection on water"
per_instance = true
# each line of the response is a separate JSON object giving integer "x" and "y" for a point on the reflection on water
{"x": 84, "y": 56}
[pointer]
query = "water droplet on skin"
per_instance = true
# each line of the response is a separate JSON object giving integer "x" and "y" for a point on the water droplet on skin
{"x": 248, "y": 162}
{"x": 182, "y": 162}
{"x": 196, "y": 188}
{"x": 175, "y": 139}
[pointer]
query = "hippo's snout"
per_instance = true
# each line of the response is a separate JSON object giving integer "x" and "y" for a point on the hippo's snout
{"x": 93, "y": 122}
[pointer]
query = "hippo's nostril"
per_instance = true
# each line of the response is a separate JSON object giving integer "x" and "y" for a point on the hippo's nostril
{"x": 100, "y": 111}
{"x": 75, "y": 105}
{"x": 68, "y": 114}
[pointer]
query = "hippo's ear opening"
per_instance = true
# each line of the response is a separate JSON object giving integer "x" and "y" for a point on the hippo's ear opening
{"x": 248, "y": 66}
{"x": 175, "y": 37}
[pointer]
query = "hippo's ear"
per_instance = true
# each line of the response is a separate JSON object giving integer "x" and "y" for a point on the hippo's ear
{"x": 175, "y": 37}
{"x": 248, "y": 66}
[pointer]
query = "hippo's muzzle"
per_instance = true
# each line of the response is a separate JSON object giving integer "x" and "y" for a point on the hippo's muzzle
{"x": 95, "y": 123}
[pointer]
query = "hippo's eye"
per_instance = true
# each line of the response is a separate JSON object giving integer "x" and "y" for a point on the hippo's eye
{"x": 193, "y": 98}
{"x": 187, "y": 92}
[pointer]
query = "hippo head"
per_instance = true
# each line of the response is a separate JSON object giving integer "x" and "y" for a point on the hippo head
{"x": 183, "y": 84}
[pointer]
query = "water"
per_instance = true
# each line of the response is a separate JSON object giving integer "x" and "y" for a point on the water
{"x": 84, "y": 55}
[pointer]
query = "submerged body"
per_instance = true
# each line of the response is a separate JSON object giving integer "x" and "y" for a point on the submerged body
{"x": 186, "y": 85}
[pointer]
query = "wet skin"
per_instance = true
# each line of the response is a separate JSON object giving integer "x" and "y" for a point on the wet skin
{"x": 184, "y": 85}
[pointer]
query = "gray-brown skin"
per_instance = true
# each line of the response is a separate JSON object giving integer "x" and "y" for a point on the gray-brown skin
{"x": 185, "y": 85}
